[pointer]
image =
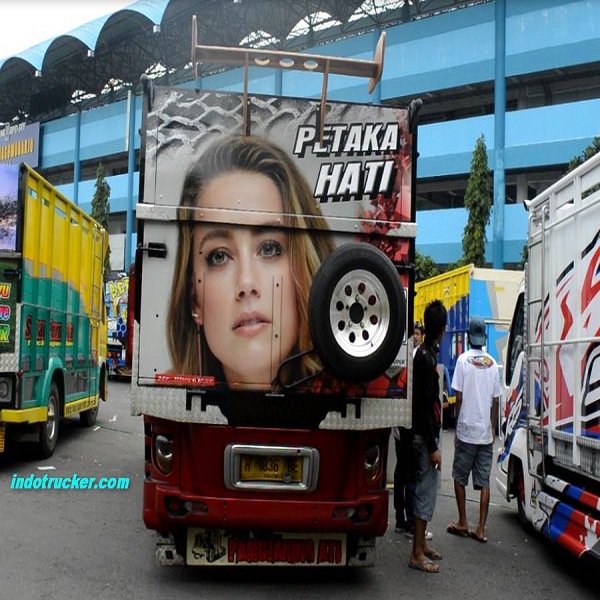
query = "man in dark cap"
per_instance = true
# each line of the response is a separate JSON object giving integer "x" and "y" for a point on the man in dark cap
{"x": 477, "y": 384}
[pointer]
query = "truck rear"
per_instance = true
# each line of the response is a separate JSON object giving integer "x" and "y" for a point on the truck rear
{"x": 273, "y": 289}
{"x": 550, "y": 421}
{"x": 52, "y": 320}
{"x": 467, "y": 292}
{"x": 118, "y": 336}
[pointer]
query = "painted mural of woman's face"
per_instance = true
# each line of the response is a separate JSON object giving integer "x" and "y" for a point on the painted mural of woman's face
{"x": 244, "y": 294}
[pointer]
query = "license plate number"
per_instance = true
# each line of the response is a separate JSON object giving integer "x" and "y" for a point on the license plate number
{"x": 285, "y": 469}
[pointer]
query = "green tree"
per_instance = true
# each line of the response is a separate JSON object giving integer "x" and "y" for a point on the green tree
{"x": 425, "y": 267}
{"x": 478, "y": 202}
{"x": 587, "y": 153}
{"x": 101, "y": 208}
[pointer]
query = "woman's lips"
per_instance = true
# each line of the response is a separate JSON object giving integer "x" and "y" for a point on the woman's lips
{"x": 250, "y": 323}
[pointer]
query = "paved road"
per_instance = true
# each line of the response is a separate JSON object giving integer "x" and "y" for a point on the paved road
{"x": 93, "y": 544}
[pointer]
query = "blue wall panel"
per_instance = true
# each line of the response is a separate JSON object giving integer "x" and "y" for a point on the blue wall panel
{"x": 447, "y": 148}
{"x": 551, "y": 34}
{"x": 118, "y": 192}
{"x": 103, "y": 130}
{"x": 439, "y": 233}
{"x": 535, "y": 137}
{"x": 551, "y": 134}
{"x": 102, "y": 134}
{"x": 260, "y": 81}
{"x": 438, "y": 53}
{"x": 57, "y": 142}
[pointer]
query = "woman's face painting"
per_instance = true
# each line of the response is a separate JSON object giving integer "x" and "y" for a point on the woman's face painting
{"x": 244, "y": 292}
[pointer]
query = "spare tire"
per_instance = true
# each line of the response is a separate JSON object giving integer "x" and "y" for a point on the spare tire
{"x": 357, "y": 312}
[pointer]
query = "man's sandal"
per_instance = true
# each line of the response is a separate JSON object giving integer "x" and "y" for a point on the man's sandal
{"x": 473, "y": 535}
{"x": 433, "y": 554}
{"x": 454, "y": 530}
{"x": 425, "y": 565}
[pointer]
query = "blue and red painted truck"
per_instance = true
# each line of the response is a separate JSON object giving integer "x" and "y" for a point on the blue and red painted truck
{"x": 467, "y": 292}
{"x": 550, "y": 415}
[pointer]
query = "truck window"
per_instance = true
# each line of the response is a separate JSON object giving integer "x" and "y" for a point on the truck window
{"x": 515, "y": 342}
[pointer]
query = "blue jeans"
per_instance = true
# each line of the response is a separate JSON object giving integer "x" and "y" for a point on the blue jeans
{"x": 426, "y": 481}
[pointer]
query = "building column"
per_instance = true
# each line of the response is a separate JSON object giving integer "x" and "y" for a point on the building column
{"x": 278, "y": 91}
{"x": 77, "y": 158}
{"x": 522, "y": 189}
{"x": 130, "y": 173}
{"x": 499, "y": 140}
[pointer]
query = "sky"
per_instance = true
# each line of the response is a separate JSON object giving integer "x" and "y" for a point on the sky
{"x": 26, "y": 23}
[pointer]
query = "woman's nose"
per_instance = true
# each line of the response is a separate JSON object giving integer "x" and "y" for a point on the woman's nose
{"x": 247, "y": 283}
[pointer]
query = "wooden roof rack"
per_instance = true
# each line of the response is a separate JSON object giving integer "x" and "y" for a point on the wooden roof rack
{"x": 298, "y": 61}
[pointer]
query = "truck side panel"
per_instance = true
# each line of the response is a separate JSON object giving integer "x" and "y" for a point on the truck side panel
{"x": 453, "y": 288}
{"x": 469, "y": 291}
{"x": 53, "y": 328}
{"x": 61, "y": 312}
{"x": 551, "y": 424}
{"x": 116, "y": 299}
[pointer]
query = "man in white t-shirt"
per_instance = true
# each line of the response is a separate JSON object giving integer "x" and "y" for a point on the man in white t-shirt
{"x": 477, "y": 384}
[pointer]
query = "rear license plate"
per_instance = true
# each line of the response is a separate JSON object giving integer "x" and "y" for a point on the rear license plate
{"x": 221, "y": 548}
{"x": 284, "y": 469}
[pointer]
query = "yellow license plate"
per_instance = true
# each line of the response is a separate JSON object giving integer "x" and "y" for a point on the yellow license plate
{"x": 285, "y": 469}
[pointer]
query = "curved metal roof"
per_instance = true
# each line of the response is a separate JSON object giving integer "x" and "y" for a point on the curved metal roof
{"x": 89, "y": 33}
{"x": 113, "y": 51}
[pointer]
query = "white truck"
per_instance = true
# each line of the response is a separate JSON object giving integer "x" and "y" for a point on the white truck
{"x": 550, "y": 419}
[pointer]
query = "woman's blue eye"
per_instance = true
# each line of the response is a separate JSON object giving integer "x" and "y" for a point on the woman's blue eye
{"x": 217, "y": 257}
{"x": 271, "y": 248}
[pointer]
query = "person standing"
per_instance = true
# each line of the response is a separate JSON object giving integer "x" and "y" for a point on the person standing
{"x": 404, "y": 480}
{"x": 404, "y": 472}
{"x": 426, "y": 434}
{"x": 418, "y": 332}
{"x": 477, "y": 384}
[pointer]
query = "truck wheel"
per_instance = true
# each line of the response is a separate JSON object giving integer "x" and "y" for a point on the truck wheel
{"x": 357, "y": 312}
{"x": 521, "y": 498}
{"x": 49, "y": 429}
{"x": 87, "y": 418}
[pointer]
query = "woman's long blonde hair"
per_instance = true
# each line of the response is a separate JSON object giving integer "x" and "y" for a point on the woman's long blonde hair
{"x": 309, "y": 243}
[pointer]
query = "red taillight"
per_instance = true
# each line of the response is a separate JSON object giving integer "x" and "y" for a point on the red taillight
{"x": 175, "y": 506}
{"x": 363, "y": 513}
{"x": 356, "y": 514}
